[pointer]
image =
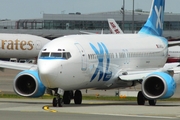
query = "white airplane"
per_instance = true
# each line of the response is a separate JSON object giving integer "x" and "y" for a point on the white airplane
{"x": 20, "y": 45}
{"x": 105, "y": 61}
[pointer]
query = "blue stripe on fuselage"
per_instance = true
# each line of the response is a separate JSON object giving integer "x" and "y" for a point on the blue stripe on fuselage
{"x": 52, "y": 58}
{"x": 100, "y": 56}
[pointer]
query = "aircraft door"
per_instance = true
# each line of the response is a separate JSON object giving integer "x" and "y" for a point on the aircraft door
{"x": 83, "y": 57}
{"x": 126, "y": 56}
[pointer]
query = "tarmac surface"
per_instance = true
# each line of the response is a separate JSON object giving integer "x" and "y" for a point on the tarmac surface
{"x": 41, "y": 109}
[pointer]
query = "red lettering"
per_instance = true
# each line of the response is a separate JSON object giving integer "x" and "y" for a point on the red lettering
{"x": 117, "y": 31}
{"x": 112, "y": 24}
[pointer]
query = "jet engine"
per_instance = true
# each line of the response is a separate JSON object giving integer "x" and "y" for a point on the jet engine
{"x": 28, "y": 84}
{"x": 158, "y": 85}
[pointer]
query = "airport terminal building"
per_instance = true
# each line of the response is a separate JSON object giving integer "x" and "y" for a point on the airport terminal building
{"x": 55, "y": 25}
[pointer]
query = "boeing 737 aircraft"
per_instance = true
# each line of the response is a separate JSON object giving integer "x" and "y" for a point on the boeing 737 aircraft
{"x": 104, "y": 61}
{"x": 20, "y": 45}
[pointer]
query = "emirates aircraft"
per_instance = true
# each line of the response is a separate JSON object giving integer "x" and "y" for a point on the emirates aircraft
{"x": 104, "y": 61}
{"x": 20, "y": 45}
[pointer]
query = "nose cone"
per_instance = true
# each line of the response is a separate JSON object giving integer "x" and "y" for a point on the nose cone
{"x": 48, "y": 71}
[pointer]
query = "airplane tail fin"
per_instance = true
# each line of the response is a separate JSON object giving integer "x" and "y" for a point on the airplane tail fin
{"x": 154, "y": 23}
{"x": 114, "y": 27}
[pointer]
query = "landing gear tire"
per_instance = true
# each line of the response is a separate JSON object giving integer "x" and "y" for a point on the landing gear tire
{"x": 67, "y": 97}
{"x": 77, "y": 97}
{"x": 54, "y": 102}
{"x": 140, "y": 98}
{"x": 59, "y": 101}
{"x": 152, "y": 102}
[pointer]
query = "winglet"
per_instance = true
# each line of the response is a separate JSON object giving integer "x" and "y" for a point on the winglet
{"x": 154, "y": 24}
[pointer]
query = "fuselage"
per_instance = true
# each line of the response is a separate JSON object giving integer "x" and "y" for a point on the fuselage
{"x": 96, "y": 61}
{"x": 20, "y": 45}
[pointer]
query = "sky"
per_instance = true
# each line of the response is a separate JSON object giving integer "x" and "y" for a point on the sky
{"x": 33, "y": 9}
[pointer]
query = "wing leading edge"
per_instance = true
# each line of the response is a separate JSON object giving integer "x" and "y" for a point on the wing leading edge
{"x": 171, "y": 69}
{"x": 17, "y": 66}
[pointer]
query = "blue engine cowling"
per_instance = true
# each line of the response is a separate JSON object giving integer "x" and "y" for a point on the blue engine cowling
{"x": 158, "y": 85}
{"x": 28, "y": 84}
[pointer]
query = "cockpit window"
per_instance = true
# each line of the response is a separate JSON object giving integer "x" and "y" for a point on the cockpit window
{"x": 68, "y": 55}
{"x": 56, "y": 55}
{"x": 45, "y": 54}
{"x": 64, "y": 55}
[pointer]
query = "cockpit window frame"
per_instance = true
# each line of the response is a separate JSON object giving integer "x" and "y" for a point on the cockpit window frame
{"x": 56, "y": 55}
{"x": 43, "y": 53}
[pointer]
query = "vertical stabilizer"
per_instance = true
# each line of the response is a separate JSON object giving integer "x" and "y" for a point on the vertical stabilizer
{"x": 114, "y": 27}
{"x": 154, "y": 23}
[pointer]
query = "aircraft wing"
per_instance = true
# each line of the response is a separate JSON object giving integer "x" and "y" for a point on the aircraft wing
{"x": 173, "y": 43}
{"x": 133, "y": 77}
{"x": 90, "y": 33}
{"x": 84, "y": 32}
{"x": 172, "y": 68}
{"x": 17, "y": 66}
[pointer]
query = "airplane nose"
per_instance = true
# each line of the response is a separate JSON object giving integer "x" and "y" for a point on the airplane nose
{"x": 48, "y": 72}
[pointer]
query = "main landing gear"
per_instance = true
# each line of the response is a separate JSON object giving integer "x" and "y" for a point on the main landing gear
{"x": 66, "y": 98}
{"x": 141, "y": 99}
{"x": 68, "y": 95}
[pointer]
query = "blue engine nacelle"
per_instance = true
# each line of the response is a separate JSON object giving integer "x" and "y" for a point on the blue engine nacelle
{"x": 158, "y": 85}
{"x": 28, "y": 84}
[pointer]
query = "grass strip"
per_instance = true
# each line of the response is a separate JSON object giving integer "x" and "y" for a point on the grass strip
{"x": 86, "y": 97}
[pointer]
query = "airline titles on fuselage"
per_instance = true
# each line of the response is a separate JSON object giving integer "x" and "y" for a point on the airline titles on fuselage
{"x": 17, "y": 44}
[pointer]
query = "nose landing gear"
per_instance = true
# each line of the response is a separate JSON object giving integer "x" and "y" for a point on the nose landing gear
{"x": 57, "y": 100}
